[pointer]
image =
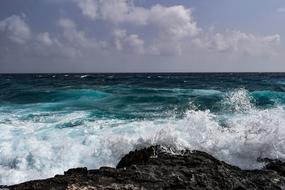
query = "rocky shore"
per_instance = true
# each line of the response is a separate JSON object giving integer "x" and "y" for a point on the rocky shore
{"x": 153, "y": 168}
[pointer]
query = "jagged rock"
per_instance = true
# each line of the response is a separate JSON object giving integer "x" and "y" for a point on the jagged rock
{"x": 153, "y": 168}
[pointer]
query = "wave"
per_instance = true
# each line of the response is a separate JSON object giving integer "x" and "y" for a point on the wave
{"x": 29, "y": 96}
{"x": 39, "y": 144}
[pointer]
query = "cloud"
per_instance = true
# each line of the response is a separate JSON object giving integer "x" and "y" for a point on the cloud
{"x": 281, "y": 10}
{"x": 115, "y": 10}
{"x": 88, "y": 8}
{"x": 18, "y": 41}
{"x": 237, "y": 41}
{"x": 15, "y": 29}
{"x": 71, "y": 33}
{"x": 159, "y": 32}
{"x": 176, "y": 20}
{"x": 75, "y": 37}
{"x": 170, "y": 25}
{"x": 110, "y": 10}
{"x": 45, "y": 39}
{"x": 132, "y": 42}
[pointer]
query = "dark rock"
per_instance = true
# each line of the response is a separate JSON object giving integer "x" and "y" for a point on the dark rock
{"x": 154, "y": 168}
{"x": 76, "y": 171}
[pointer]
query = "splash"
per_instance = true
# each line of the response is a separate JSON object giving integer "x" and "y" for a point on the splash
{"x": 238, "y": 100}
{"x": 47, "y": 143}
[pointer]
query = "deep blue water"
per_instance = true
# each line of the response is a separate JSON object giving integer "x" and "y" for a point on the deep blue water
{"x": 52, "y": 122}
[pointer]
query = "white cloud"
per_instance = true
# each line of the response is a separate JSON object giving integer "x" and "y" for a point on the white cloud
{"x": 74, "y": 36}
{"x": 132, "y": 42}
{"x": 156, "y": 31}
{"x": 17, "y": 39}
{"x": 115, "y": 10}
{"x": 112, "y": 10}
{"x": 45, "y": 39}
{"x": 16, "y": 29}
{"x": 236, "y": 41}
{"x": 174, "y": 20}
{"x": 88, "y": 8}
{"x": 170, "y": 25}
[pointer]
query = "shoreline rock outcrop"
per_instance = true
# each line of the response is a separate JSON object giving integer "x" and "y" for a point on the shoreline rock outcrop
{"x": 154, "y": 168}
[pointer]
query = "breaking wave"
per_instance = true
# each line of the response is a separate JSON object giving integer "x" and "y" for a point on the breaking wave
{"x": 36, "y": 143}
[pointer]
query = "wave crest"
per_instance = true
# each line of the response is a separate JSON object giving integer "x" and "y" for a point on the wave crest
{"x": 32, "y": 149}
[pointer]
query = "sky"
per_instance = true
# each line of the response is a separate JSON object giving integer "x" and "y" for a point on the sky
{"x": 63, "y": 36}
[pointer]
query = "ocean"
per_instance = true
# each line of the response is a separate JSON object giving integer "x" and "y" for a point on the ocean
{"x": 52, "y": 122}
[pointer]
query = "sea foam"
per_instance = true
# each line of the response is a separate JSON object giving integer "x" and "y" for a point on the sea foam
{"x": 39, "y": 147}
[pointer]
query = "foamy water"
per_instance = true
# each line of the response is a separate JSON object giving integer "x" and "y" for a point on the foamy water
{"x": 36, "y": 143}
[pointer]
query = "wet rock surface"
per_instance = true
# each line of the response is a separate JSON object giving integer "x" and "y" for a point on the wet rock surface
{"x": 153, "y": 168}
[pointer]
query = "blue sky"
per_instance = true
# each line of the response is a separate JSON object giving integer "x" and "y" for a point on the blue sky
{"x": 141, "y": 36}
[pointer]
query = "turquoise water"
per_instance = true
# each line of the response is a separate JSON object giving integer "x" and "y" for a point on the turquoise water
{"x": 50, "y": 123}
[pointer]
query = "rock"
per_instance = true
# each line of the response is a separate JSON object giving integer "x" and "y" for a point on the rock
{"x": 154, "y": 168}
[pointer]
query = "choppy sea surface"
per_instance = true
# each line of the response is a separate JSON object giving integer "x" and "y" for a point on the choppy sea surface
{"x": 50, "y": 123}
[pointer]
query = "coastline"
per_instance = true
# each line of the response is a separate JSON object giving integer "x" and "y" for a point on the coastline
{"x": 155, "y": 168}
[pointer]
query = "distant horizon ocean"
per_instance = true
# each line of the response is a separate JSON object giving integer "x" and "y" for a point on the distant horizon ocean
{"x": 52, "y": 122}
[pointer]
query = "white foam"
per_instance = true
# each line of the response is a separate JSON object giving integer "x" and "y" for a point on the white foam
{"x": 33, "y": 149}
{"x": 84, "y": 76}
